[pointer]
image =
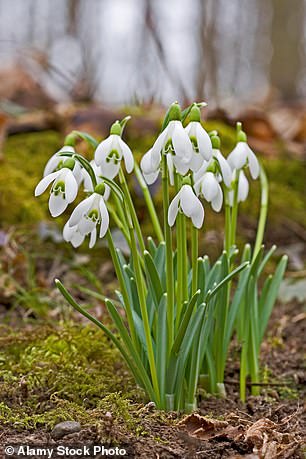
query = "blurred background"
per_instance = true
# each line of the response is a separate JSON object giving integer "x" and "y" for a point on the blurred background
{"x": 127, "y": 51}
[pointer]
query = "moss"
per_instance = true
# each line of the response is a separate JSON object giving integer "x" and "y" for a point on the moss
{"x": 24, "y": 158}
{"x": 49, "y": 375}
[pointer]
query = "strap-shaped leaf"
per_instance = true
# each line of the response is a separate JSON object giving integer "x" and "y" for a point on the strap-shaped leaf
{"x": 266, "y": 306}
{"x": 153, "y": 278}
{"x": 211, "y": 293}
{"x": 161, "y": 346}
{"x": 184, "y": 323}
{"x": 87, "y": 137}
{"x": 128, "y": 342}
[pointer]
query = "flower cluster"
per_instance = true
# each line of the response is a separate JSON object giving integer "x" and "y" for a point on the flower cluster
{"x": 67, "y": 174}
{"x": 190, "y": 156}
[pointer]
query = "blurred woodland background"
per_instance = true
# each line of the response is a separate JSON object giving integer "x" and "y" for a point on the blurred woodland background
{"x": 123, "y": 51}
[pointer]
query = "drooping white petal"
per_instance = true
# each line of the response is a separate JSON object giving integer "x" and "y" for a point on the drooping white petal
{"x": 57, "y": 204}
{"x": 209, "y": 186}
{"x": 204, "y": 142}
{"x": 150, "y": 163}
{"x": 217, "y": 201}
{"x": 86, "y": 225}
{"x": 110, "y": 169}
{"x": 253, "y": 164}
{"x": 45, "y": 182}
{"x": 238, "y": 156}
{"x": 103, "y": 149}
{"x": 196, "y": 161}
{"x": 173, "y": 209}
{"x": 93, "y": 238}
{"x": 56, "y": 159}
{"x": 191, "y": 206}
{"x": 181, "y": 142}
{"x": 71, "y": 187}
{"x": 104, "y": 218}
{"x": 159, "y": 144}
{"x": 127, "y": 155}
{"x": 181, "y": 166}
{"x": 243, "y": 187}
{"x": 170, "y": 168}
{"x": 226, "y": 170}
{"x": 80, "y": 210}
{"x": 151, "y": 178}
{"x": 198, "y": 174}
{"x": 72, "y": 234}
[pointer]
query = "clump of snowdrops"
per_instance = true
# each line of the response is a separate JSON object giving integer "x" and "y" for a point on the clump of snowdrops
{"x": 176, "y": 311}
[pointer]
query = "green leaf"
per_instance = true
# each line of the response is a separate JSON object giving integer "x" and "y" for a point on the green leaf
{"x": 211, "y": 293}
{"x": 161, "y": 347}
{"x": 87, "y": 137}
{"x": 153, "y": 278}
{"x": 184, "y": 323}
{"x": 267, "y": 301}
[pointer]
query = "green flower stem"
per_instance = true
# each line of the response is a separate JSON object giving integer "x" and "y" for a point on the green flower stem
{"x": 125, "y": 295}
{"x": 194, "y": 258}
{"x": 227, "y": 232}
{"x": 263, "y": 211}
{"x": 144, "y": 314}
{"x": 150, "y": 204}
{"x": 235, "y": 209}
{"x": 169, "y": 257}
{"x": 179, "y": 262}
{"x": 132, "y": 210}
{"x": 119, "y": 222}
{"x": 184, "y": 259}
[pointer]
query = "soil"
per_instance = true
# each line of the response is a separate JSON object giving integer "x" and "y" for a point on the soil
{"x": 269, "y": 426}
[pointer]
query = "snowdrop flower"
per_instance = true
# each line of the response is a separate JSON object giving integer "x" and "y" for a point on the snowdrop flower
{"x": 242, "y": 155}
{"x": 243, "y": 188}
{"x": 64, "y": 189}
{"x": 56, "y": 162}
{"x": 201, "y": 143}
{"x": 173, "y": 141}
{"x": 73, "y": 235}
{"x": 110, "y": 152}
{"x": 89, "y": 214}
{"x": 208, "y": 186}
{"x": 187, "y": 202}
{"x": 88, "y": 186}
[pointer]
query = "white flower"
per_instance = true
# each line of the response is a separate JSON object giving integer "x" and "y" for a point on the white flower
{"x": 219, "y": 166}
{"x": 76, "y": 238}
{"x": 73, "y": 235}
{"x": 88, "y": 214}
{"x": 210, "y": 188}
{"x": 201, "y": 143}
{"x": 241, "y": 156}
{"x": 63, "y": 190}
{"x": 243, "y": 188}
{"x": 187, "y": 202}
{"x": 109, "y": 154}
{"x": 56, "y": 162}
{"x": 88, "y": 186}
{"x": 172, "y": 141}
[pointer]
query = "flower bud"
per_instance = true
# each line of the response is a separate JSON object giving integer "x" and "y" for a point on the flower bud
{"x": 116, "y": 129}
{"x": 215, "y": 140}
{"x": 70, "y": 139}
{"x": 195, "y": 114}
{"x": 69, "y": 163}
{"x": 100, "y": 189}
{"x": 241, "y": 135}
{"x": 175, "y": 112}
